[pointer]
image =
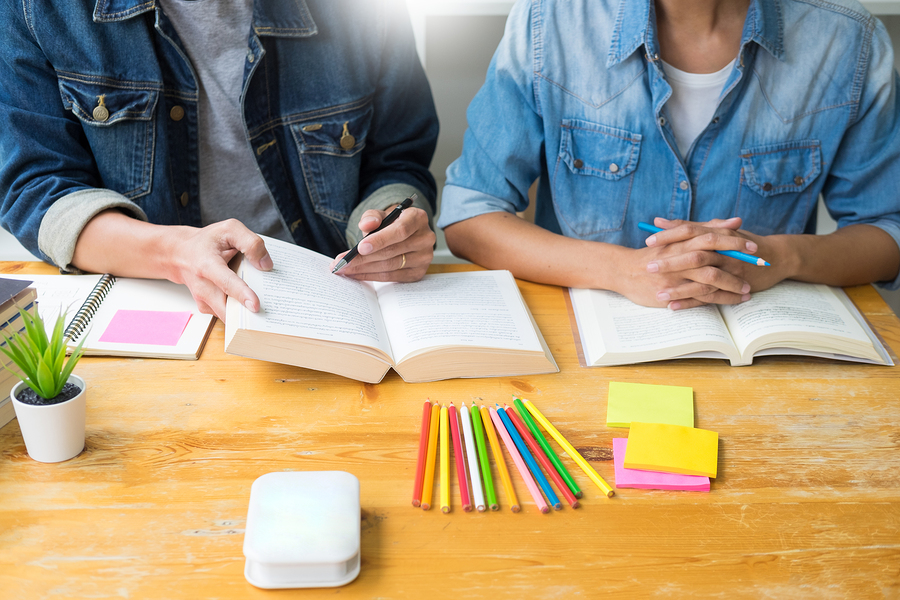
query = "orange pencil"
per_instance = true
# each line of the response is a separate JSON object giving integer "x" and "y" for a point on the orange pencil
{"x": 445, "y": 461}
{"x": 538, "y": 452}
{"x": 423, "y": 449}
{"x": 497, "y": 451}
{"x": 428, "y": 484}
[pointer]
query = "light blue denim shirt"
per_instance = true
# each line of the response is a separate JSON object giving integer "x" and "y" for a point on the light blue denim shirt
{"x": 576, "y": 95}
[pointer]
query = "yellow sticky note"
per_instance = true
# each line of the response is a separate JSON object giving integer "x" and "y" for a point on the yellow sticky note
{"x": 628, "y": 402}
{"x": 672, "y": 449}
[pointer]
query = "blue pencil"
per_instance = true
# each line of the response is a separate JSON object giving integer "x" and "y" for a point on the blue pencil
{"x": 747, "y": 258}
{"x": 529, "y": 460}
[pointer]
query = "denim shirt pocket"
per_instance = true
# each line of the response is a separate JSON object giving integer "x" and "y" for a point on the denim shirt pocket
{"x": 118, "y": 122}
{"x": 776, "y": 192}
{"x": 594, "y": 175}
{"x": 330, "y": 144}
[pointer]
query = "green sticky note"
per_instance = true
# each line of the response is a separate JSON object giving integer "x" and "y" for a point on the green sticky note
{"x": 629, "y": 402}
{"x": 672, "y": 449}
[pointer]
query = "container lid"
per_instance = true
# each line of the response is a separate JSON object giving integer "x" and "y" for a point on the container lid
{"x": 303, "y": 530}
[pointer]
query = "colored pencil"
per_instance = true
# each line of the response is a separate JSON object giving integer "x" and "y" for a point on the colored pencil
{"x": 460, "y": 460}
{"x": 474, "y": 472}
{"x": 423, "y": 450}
{"x": 552, "y": 498}
{"x": 478, "y": 429}
{"x": 545, "y": 445}
{"x": 520, "y": 464}
{"x": 428, "y": 485}
{"x": 747, "y": 258}
{"x": 570, "y": 450}
{"x": 445, "y": 461}
{"x": 541, "y": 457}
{"x": 497, "y": 451}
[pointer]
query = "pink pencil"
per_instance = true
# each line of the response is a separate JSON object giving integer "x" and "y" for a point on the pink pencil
{"x": 520, "y": 464}
{"x": 460, "y": 460}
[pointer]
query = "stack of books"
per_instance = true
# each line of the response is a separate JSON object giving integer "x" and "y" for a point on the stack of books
{"x": 14, "y": 294}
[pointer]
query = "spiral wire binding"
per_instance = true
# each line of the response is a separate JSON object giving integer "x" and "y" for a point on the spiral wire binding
{"x": 90, "y": 306}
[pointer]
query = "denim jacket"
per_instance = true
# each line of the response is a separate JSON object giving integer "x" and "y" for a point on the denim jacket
{"x": 98, "y": 106}
{"x": 576, "y": 96}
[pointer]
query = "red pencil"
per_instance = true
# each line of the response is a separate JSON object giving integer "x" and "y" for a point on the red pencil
{"x": 460, "y": 460}
{"x": 423, "y": 451}
{"x": 541, "y": 457}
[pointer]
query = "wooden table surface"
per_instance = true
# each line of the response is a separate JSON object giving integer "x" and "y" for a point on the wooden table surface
{"x": 806, "y": 504}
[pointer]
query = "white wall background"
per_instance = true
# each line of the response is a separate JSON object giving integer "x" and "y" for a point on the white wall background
{"x": 456, "y": 39}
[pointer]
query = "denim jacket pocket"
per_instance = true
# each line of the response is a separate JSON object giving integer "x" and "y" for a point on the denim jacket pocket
{"x": 594, "y": 175}
{"x": 330, "y": 144}
{"x": 776, "y": 194}
{"x": 118, "y": 122}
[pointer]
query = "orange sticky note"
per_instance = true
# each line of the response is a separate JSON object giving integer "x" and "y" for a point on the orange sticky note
{"x": 672, "y": 449}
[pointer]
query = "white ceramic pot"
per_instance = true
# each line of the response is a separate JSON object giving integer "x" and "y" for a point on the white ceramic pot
{"x": 54, "y": 432}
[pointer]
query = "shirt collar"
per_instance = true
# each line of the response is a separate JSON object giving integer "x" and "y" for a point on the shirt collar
{"x": 284, "y": 18}
{"x": 636, "y": 26}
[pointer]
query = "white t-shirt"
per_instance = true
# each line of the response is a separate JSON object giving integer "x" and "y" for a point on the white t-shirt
{"x": 693, "y": 103}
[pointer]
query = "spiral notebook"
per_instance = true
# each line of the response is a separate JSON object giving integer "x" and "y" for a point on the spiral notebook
{"x": 119, "y": 316}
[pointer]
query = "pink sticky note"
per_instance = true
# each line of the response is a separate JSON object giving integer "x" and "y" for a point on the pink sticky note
{"x": 156, "y": 327}
{"x": 652, "y": 480}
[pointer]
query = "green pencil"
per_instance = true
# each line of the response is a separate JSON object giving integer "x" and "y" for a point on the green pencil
{"x": 532, "y": 426}
{"x": 478, "y": 427}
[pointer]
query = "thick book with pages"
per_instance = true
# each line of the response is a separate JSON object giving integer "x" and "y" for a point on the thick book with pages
{"x": 469, "y": 324}
{"x": 791, "y": 318}
{"x": 120, "y": 316}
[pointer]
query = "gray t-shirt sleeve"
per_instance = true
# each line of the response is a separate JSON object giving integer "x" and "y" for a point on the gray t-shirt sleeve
{"x": 63, "y": 223}
{"x": 381, "y": 199}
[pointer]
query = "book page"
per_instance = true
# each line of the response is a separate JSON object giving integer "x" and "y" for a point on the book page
{"x": 805, "y": 310}
{"x": 471, "y": 309}
{"x": 301, "y": 297}
{"x": 609, "y": 323}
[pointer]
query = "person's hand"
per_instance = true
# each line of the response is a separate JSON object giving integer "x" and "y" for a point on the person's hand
{"x": 199, "y": 259}
{"x": 682, "y": 268}
{"x": 401, "y": 251}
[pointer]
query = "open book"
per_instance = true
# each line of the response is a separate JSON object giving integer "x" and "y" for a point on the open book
{"x": 790, "y": 318}
{"x": 472, "y": 324}
{"x": 119, "y": 316}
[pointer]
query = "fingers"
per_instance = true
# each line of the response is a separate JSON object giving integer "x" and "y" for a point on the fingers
{"x": 695, "y": 236}
{"x": 411, "y": 222}
{"x": 400, "y": 252}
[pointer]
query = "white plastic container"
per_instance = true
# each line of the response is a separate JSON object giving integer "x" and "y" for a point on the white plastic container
{"x": 53, "y": 432}
{"x": 303, "y": 530}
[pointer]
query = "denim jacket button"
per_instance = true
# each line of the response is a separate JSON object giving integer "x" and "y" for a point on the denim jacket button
{"x": 177, "y": 113}
{"x": 662, "y": 121}
{"x": 683, "y": 185}
{"x": 184, "y": 199}
{"x": 578, "y": 163}
{"x": 100, "y": 113}
{"x": 767, "y": 187}
{"x": 613, "y": 168}
{"x": 798, "y": 180}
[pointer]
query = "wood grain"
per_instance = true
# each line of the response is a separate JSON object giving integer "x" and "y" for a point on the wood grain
{"x": 806, "y": 505}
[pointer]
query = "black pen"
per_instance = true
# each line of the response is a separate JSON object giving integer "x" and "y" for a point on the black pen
{"x": 392, "y": 216}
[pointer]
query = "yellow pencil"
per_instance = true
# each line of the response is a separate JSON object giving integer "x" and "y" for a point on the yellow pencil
{"x": 498, "y": 458}
{"x": 570, "y": 450}
{"x": 428, "y": 486}
{"x": 445, "y": 460}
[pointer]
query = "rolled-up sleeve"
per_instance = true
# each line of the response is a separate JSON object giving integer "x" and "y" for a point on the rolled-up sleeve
{"x": 862, "y": 185}
{"x": 502, "y": 145}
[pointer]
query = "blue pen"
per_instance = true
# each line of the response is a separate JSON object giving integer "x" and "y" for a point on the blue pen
{"x": 748, "y": 258}
{"x": 529, "y": 460}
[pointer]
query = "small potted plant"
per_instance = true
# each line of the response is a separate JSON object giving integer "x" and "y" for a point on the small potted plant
{"x": 50, "y": 400}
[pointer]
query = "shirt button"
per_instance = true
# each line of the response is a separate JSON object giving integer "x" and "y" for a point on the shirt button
{"x": 250, "y": 57}
{"x": 613, "y": 168}
{"x": 767, "y": 187}
{"x": 662, "y": 121}
{"x": 578, "y": 163}
{"x": 184, "y": 199}
{"x": 798, "y": 180}
{"x": 177, "y": 113}
{"x": 683, "y": 185}
{"x": 715, "y": 119}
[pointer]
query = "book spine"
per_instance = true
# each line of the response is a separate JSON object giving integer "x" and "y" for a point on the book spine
{"x": 90, "y": 306}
